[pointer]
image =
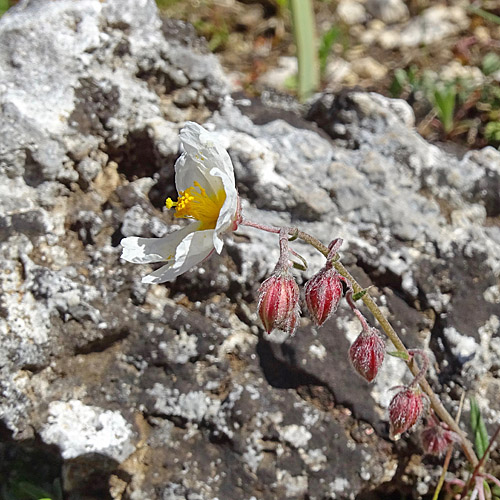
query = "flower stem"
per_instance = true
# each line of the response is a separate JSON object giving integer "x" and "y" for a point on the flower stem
{"x": 436, "y": 404}
{"x": 425, "y": 364}
{"x": 357, "y": 312}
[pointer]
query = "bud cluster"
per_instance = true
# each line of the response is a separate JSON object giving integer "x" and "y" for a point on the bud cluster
{"x": 278, "y": 307}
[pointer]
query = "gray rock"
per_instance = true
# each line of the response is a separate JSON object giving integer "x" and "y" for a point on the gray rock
{"x": 174, "y": 391}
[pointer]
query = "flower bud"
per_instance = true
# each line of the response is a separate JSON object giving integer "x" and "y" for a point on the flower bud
{"x": 436, "y": 437}
{"x": 323, "y": 292}
{"x": 367, "y": 353}
{"x": 279, "y": 303}
{"x": 404, "y": 410}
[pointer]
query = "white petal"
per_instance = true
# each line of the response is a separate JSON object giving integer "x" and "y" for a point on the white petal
{"x": 202, "y": 152}
{"x": 228, "y": 209}
{"x": 147, "y": 250}
{"x": 190, "y": 169}
{"x": 193, "y": 249}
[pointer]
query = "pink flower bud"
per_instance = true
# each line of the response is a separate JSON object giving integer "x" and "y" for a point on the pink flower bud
{"x": 367, "y": 353}
{"x": 279, "y": 303}
{"x": 436, "y": 437}
{"x": 323, "y": 292}
{"x": 404, "y": 410}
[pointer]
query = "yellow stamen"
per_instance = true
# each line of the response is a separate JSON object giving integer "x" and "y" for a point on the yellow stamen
{"x": 195, "y": 203}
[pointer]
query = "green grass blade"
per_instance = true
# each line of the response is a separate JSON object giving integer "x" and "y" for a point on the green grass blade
{"x": 478, "y": 428}
{"x": 305, "y": 41}
{"x": 484, "y": 14}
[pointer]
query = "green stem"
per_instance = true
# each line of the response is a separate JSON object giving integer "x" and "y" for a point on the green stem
{"x": 305, "y": 39}
{"x": 436, "y": 404}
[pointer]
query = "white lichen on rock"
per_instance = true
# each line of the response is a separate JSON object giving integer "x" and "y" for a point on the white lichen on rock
{"x": 79, "y": 429}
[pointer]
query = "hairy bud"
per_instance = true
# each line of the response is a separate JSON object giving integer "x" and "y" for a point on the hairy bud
{"x": 436, "y": 437}
{"x": 323, "y": 292}
{"x": 279, "y": 303}
{"x": 367, "y": 353}
{"x": 404, "y": 410}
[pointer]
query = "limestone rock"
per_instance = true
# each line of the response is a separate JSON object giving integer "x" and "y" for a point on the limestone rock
{"x": 174, "y": 391}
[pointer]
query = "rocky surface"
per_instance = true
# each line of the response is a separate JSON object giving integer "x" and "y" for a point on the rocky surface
{"x": 173, "y": 391}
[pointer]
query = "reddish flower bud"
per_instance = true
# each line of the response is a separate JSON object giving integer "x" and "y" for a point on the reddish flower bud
{"x": 367, "y": 353}
{"x": 436, "y": 437}
{"x": 279, "y": 303}
{"x": 404, "y": 410}
{"x": 323, "y": 292}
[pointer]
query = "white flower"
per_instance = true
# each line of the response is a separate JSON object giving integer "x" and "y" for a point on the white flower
{"x": 204, "y": 178}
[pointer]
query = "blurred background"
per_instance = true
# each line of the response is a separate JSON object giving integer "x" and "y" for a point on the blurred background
{"x": 443, "y": 57}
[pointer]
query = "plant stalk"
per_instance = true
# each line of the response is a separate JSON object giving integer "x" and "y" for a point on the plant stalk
{"x": 436, "y": 404}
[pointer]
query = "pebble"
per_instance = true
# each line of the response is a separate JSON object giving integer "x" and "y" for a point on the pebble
{"x": 388, "y": 11}
{"x": 351, "y": 12}
{"x": 367, "y": 67}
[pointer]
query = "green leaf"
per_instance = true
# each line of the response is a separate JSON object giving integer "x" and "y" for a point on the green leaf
{"x": 444, "y": 103}
{"x": 492, "y": 131}
{"x": 399, "y": 354}
{"x": 359, "y": 295}
{"x": 399, "y": 82}
{"x": 325, "y": 46}
{"x": 305, "y": 41}
{"x": 490, "y": 63}
{"x": 478, "y": 428}
{"x": 32, "y": 491}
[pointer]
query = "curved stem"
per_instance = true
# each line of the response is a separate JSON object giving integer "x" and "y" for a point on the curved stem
{"x": 436, "y": 404}
{"x": 425, "y": 364}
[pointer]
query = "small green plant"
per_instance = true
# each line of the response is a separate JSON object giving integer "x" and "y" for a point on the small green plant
{"x": 490, "y": 63}
{"x": 411, "y": 81}
{"x": 216, "y": 34}
{"x": 481, "y": 440}
{"x": 24, "y": 490}
{"x": 463, "y": 106}
{"x": 492, "y": 131}
{"x": 325, "y": 46}
{"x": 28, "y": 473}
{"x": 444, "y": 98}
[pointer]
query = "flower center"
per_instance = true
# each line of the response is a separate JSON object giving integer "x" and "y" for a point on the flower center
{"x": 195, "y": 203}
